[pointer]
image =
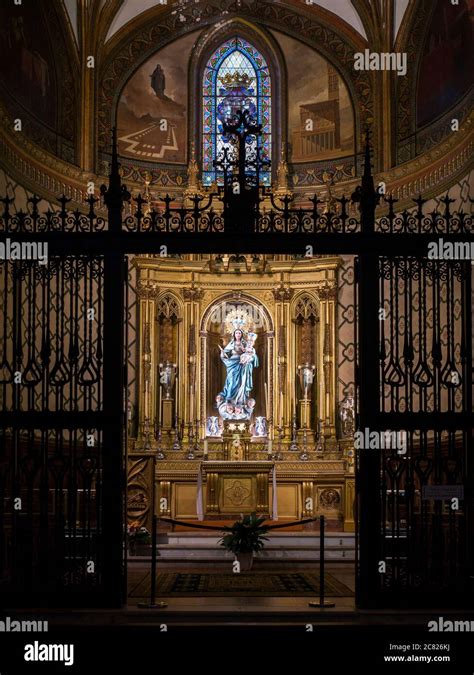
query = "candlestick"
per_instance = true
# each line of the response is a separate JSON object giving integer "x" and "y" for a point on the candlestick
{"x": 270, "y": 444}
{"x": 266, "y": 401}
{"x": 205, "y": 447}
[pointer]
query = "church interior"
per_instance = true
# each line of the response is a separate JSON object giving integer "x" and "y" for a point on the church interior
{"x": 240, "y": 314}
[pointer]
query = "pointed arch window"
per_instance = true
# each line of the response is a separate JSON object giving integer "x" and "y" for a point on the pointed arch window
{"x": 236, "y": 77}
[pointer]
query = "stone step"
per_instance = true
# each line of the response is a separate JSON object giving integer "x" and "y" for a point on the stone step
{"x": 295, "y": 547}
{"x": 282, "y": 539}
{"x": 275, "y": 553}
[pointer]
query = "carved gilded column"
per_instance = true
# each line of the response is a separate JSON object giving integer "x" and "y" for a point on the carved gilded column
{"x": 327, "y": 365}
{"x": 283, "y": 295}
{"x": 147, "y": 292}
{"x": 211, "y": 493}
{"x": 349, "y": 502}
{"x": 191, "y": 390}
{"x": 308, "y": 499}
{"x": 262, "y": 493}
{"x": 164, "y": 500}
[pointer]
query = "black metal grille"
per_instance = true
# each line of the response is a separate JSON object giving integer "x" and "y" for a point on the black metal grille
{"x": 207, "y": 216}
{"x": 51, "y": 513}
{"x": 52, "y": 335}
{"x": 423, "y": 338}
{"x": 424, "y": 541}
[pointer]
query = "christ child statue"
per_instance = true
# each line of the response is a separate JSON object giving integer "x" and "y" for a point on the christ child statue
{"x": 249, "y": 351}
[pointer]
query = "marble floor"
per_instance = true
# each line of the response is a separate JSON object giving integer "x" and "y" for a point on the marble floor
{"x": 248, "y": 605}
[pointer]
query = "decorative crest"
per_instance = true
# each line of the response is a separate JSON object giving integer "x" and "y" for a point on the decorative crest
{"x": 236, "y": 79}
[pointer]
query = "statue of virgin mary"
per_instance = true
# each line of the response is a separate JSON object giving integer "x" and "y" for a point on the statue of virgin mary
{"x": 239, "y": 358}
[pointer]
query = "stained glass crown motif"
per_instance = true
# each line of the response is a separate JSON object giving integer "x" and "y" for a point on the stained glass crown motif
{"x": 236, "y": 79}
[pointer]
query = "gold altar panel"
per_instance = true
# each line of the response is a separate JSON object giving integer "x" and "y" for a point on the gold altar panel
{"x": 185, "y": 500}
{"x": 237, "y": 494}
{"x": 288, "y": 501}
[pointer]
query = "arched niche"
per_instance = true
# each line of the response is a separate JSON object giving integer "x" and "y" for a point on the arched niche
{"x": 168, "y": 347}
{"x": 305, "y": 316}
{"x": 216, "y": 327}
{"x": 168, "y": 315}
{"x": 265, "y": 43}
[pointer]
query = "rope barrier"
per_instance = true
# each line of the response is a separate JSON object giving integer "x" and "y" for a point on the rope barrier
{"x": 321, "y": 603}
{"x": 223, "y": 527}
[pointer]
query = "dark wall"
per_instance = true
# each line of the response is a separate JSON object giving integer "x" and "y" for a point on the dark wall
{"x": 37, "y": 83}
{"x": 447, "y": 62}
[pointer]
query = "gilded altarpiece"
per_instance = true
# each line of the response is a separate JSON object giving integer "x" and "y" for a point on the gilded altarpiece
{"x": 237, "y": 363}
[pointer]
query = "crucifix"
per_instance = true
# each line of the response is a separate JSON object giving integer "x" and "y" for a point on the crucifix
{"x": 241, "y": 172}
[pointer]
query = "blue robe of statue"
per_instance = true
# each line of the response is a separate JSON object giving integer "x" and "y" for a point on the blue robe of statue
{"x": 239, "y": 382}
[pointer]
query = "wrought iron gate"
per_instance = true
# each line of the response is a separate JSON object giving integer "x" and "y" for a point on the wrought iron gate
{"x": 415, "y": 390}
{"x": 62, "y": 386}
{"x": 61, "y": 412}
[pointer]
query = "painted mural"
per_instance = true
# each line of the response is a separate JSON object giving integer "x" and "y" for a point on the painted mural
{"x": 27, "y": 70}
{"x": 447, "y": 63}
{"x": 320, "y": 117}
{"x": 152, "y": 111}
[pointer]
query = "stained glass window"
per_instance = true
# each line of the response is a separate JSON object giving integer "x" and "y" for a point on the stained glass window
{"x": 236, "y": 77}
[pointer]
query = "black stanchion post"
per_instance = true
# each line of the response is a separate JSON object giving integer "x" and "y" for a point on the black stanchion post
{"x": 322, "y": 602}
{"x": 154, "y": 524}
{"x": 153, "y": 561}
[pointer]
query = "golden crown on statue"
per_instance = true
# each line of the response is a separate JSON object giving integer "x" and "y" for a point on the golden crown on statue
{"x": 234, "y": 79}
{"x": 239, "y": 317}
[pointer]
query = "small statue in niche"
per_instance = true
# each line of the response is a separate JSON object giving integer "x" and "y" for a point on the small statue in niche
{"x": 212, "y": 428}
{"x": 347, "y": 416}
{"x": 260, "y": 426}
{"x": 167, "y": 377}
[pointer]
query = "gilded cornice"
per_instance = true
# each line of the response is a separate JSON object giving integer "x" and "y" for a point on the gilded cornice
{"x": 213, "y": 279}
{"x": 430, "y": 174}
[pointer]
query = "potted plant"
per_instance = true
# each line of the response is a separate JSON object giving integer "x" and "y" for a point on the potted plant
{"x": 244, "y": 538}
{"x": 136, "y": 535}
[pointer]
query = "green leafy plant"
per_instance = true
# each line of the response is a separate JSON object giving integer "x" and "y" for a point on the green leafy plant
{"x": 245, "y": 535}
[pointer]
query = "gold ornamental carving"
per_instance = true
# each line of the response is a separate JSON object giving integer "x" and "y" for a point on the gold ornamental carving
{"x": 327, "y": 292}
{"x": 327, "y": 354}
{"x": 138, "y": 500}
{"x": 147, "y": 290}
{"x": 329, "y": 498}
{"x": 194, "y": 293}
{"x": 237, "y": 493}
{"x": 283, "y": 293}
